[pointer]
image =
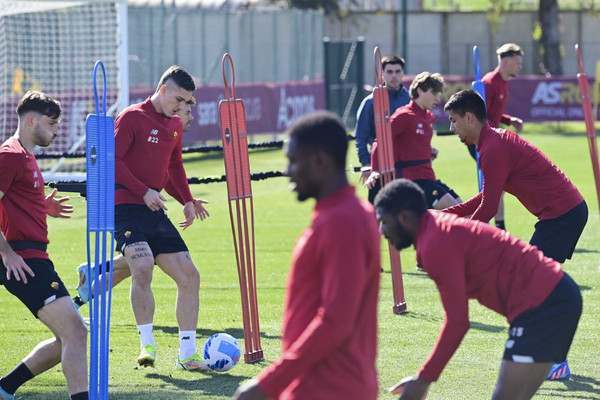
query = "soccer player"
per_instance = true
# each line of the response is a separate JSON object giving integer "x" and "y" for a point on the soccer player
{"x": 364, "y": 133}
{"x": 330, "y": 319}
{"x": 412, "y": 130}
{"x": 510, "y": 60}
{"x": 147, "y": 155}
{"x": 469, "y": 259}
{"x": 120, "y": 267}
{"x": 25, "y": 267}
{"x": 513, "y": 165}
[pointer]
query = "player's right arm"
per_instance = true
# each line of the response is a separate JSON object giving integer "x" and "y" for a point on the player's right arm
{"x": 445, "y": 264}
{"x": 13, "y": 262}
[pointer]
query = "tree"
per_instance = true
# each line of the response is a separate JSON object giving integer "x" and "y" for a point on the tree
{"x": 548, "y": 16}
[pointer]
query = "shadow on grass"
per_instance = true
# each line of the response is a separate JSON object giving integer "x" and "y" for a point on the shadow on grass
{"x": 235, "y": 332}
{"x": 420, "y": 274}
{"x": 488, "y": 328}
{"x": 577, "y": 383}
{"x": 474, "y": 324}
{"x": 586, "y": 251}
{"x": 208, "y": 383}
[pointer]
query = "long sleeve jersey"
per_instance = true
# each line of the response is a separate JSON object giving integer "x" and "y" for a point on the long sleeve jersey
{"x": 364, "y": 133}
{"x": 472, "y": 260}
{"x": 412, "y": 130}
{"x": 512, "y": 164}
{"x": 496, "y": 96}
{"x": 330, "y": 318}
{"x": 23, "y": 206}
{"x": 148, "y": 154}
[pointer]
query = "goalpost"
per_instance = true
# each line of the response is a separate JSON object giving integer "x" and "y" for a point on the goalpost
{"x": 52, "y": 46}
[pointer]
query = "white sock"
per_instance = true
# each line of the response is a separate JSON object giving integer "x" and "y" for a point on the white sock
{"x": 187, "y": 344}
{"x": 146, "y": 335}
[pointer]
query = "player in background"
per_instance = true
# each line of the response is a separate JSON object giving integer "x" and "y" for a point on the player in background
{"x": 513, "y": 165}
{"x": 26, "y": 270}
{"x": 151, "y": 131}
{"x": 120, "y": 267}
{"x": 330, "y": 319}
{"x": 412, "y": 131}
{"x": 364, "y": 133}
{"x": 469, "y": 259}
{"x": 510, "y": 61}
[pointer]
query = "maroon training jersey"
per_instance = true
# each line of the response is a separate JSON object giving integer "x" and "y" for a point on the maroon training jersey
{"x": 330, "y": 321}
{"x": 496, "y": 96}
{"x": 23, "y": 206}
{"x": 412, "y": 130}
{"x": 472, "y": 260}
{"x": 512, "y": 164}
{"x": 148, "y": 154}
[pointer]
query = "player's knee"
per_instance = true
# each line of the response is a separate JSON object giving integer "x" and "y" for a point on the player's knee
{"x": 141, "y": 273}
{"x": 190, "y": 278}
{"x": 75, "y": 333}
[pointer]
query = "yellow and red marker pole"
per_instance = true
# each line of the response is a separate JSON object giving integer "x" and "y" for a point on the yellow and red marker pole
{"x": 586, "y": 103}
{"x": 385, "y": 149}
{"x": 241, "y": 210}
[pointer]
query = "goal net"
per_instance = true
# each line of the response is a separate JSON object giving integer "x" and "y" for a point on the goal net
{"x": 52, "y": 46}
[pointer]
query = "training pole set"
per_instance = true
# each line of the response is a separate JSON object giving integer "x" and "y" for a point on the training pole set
{"x": 232, "y": 118}
{"x": 100, "y": 189}
{"x": 586, "y": 103}
{"x": 387, "y": 169}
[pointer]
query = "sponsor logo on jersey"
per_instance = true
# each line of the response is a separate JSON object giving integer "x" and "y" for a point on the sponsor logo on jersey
{"x": 420, "y": 130}
{"x": 154, "y": 132}
{"x": 55, "y": 285}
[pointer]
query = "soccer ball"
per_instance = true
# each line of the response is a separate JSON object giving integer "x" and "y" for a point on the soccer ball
{"x": 221, "y": 352}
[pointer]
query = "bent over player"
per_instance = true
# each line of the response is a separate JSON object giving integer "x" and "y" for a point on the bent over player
{"x": 468, "y": 259}
{"x": 25, "y": 267}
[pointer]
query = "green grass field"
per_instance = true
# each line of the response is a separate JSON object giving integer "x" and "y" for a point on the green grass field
{"x": 404, "y": 341}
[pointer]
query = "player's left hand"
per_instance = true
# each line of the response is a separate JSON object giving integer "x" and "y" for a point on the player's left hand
{"x": 194, "y": 210}
{"x": 250, "y": 391}
{"x": 517, "y": 123}
{"x": 55, "y": 207}
{"x": 411, "y": 388}
{"x": 434, "y": 153}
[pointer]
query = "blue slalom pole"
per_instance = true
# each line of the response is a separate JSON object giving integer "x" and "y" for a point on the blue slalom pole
{"x": 479, "y": 87}
{"x": 100, "y": 153}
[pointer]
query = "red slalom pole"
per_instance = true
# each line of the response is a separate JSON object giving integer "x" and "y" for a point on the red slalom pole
{"x": 385, "y": 153}
{"x": 586, "y": 103}
{"x": 241, "y": 209}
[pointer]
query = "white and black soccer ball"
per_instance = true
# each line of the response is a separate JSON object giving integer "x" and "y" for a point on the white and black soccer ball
{"x": 221, "y": 352}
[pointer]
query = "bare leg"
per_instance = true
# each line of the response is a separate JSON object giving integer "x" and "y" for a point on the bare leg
{"x": 180, "y": 267}
{"x": 121, "y": 272}
{"x": 500, "y": 214}
{"x": 520, "y": 381}
{"x": 141, "y": 263}
{"x": 69, "y": 346}
{"x": 446, "y": 201}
